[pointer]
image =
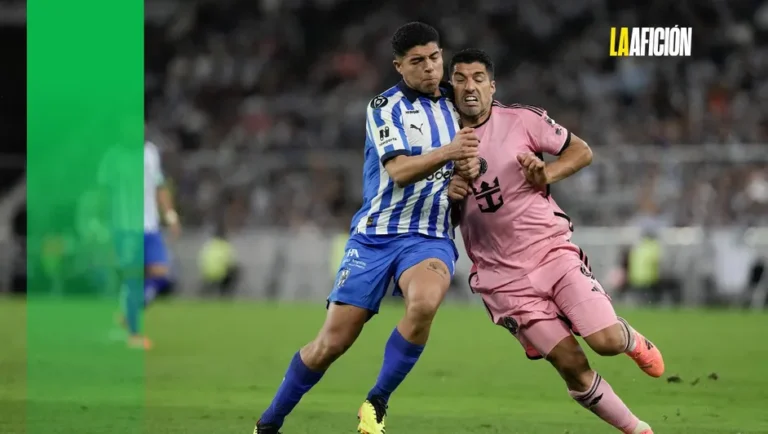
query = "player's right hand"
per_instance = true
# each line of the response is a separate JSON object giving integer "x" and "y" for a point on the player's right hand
{"x": 458, "y": 189}
{"x": 464, "y": 145}
{"x": 468, "y": 169}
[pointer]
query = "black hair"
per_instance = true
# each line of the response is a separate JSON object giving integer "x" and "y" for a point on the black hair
{"x": 412, "y": 35}
{"x": 473, "y": 55}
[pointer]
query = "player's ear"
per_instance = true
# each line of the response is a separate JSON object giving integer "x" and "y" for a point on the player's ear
{"x": 493, "y": 87}
{"x": 397, "y": 64}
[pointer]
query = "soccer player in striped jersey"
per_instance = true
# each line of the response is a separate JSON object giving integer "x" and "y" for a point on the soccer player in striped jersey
{"x": 413, "y": 145}
{"x": 118, "y": 182}
{"x": 533, "y": 280}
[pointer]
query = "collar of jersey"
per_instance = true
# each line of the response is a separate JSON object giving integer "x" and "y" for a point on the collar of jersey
{"x": 446, "y": 91}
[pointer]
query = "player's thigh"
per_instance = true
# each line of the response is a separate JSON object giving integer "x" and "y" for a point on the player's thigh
{"x": 364, "y": 275}
{"x": 543, "y": 336}
{"x": 529, "y": 315}
{"x": 155, "y": 255}
{"x": 424, "y": 271}
{"x": 584, "y": 302}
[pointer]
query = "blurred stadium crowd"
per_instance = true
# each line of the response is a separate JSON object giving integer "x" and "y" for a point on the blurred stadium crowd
{"x": 259, "y": 106}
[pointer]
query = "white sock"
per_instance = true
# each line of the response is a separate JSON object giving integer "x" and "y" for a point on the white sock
{"x": 642, "y": 426}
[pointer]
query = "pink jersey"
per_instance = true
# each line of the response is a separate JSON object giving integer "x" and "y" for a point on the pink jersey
{"x": 507, "y": 224}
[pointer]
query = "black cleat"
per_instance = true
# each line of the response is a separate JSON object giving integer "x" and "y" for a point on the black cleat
{"x": 380, "y": 406}
{"x": 265, "y": 428}
{"x": 372, "y": 416}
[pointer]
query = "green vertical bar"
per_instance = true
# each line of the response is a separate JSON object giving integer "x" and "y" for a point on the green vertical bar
{"x": 85, "y": 103}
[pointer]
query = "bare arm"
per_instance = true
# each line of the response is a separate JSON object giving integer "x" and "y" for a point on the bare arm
{"x": 547, "y": 136}
{"x": 575, "y": 157}
{"x": 406, "y": 170}
{"x": 165, "y": 203}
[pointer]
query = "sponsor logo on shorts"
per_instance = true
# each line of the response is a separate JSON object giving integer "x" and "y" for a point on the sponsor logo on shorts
{"x": 343, "y": 275}
{"x": 510, "y": 324}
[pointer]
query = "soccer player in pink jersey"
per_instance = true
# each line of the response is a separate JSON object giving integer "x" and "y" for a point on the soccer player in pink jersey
{"x": 532, "y": 279}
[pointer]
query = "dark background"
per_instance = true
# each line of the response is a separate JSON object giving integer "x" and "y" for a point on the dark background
{"x": 13, "y": 126}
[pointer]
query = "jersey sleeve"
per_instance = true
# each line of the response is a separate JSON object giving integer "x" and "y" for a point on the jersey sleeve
{"x": 385, "y": 129}
{"x": 157, "y": 169}
{"x": 547, "y": 136}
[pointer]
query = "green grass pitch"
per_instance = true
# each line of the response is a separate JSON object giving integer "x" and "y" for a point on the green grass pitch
{"x": 216, "y": 366}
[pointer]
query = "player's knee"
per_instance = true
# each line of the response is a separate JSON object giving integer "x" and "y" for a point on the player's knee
{"x": 422, "y": 308}
{"x": 609, "y": 341}
{"x": 155, "y": 271}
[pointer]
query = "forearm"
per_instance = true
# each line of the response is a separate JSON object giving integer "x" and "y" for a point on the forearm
{"x": 165, "y": 203}
{"x": 574, "y": 158}
{"x": 406, "y": 170}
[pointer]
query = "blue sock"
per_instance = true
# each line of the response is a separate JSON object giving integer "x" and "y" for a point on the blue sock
{"x": 152, "y": 285}
{"x": 133, "y": 299}
{"x": 298, "y": 380}
{"x": 399, "y": 358}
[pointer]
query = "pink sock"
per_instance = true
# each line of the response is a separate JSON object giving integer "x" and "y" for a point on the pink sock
{"x": 601, "y": 400}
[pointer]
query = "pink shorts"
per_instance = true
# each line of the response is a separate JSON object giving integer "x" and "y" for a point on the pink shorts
{"x": 560, "y": 297}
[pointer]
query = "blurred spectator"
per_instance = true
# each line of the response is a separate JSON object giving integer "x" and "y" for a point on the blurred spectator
{"x": 758, "y": 285}
{"x": 645, "y": 275}
{"x": 736, "y": 268}
{"x": 218, "y": 264}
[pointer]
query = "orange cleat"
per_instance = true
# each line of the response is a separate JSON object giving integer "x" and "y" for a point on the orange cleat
{"x": 139, "y": 343}
{"x": 647, "y": 356}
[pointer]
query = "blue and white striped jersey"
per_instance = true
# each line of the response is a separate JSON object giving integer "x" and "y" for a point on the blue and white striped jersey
{"x": 402, "y": 121}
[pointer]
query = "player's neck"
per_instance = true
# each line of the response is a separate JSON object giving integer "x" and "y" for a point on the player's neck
{"x": 437, "y": 93}
{"x": 476, "y": 121}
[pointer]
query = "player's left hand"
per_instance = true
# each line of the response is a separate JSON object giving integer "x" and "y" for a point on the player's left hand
{"x": 468, "y": 168}
{"x": 534, "y": 169}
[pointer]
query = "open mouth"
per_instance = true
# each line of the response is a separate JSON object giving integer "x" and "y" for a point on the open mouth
{"x": 471, "y": 100}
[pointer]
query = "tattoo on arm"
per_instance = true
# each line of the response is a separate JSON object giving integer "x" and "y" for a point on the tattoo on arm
{"x": 438, "y": 267}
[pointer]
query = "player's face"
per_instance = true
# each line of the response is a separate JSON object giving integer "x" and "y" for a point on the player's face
{"x": 422, "y": 68}
{"x": 473, "y": 89}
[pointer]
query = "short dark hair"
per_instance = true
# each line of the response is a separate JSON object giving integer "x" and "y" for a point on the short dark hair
{"x": 412, "y": 35}
{"x": 473, "y": 55}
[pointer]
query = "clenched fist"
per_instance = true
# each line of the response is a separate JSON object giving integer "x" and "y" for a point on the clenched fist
{"x": 458, "y": 189}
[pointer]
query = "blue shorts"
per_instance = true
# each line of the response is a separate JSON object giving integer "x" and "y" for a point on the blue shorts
{"x": 155, "y": 252}
{"x": 371, "y": 262}
{"x": 131, "y": 254}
